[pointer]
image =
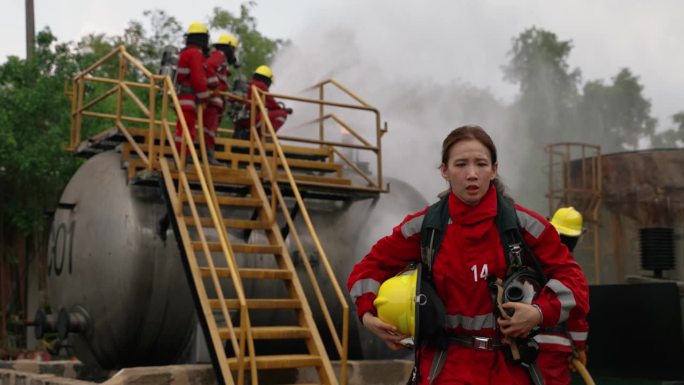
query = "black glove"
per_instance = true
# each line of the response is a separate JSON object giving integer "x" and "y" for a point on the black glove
{"x": 289, "y": 111}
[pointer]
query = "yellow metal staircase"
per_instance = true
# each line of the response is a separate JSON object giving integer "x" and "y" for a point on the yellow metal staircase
{"x": 235, "y": 223}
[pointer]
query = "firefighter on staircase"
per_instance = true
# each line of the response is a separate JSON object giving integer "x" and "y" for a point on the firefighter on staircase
{"x": 217, "y": 65}
{"x": 191, "y": 78}
{"x": 277, "y": 112}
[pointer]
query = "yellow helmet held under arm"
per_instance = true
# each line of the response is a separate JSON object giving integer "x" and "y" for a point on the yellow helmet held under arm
{"x": 396, "y": 301}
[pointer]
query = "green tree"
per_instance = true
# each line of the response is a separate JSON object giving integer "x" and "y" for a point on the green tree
{"x": 544, "y": 110}
{"x": 618, "y": 114}
{"x": 34, "y": 124}
{"x": 548, "y": 88}
{"x": 672, "y": 136}
{"x": 632, "y": 111}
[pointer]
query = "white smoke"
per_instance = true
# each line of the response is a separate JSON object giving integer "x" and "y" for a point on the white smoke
{"x": 428, "y": 69}
{"x": 419, "y": 109}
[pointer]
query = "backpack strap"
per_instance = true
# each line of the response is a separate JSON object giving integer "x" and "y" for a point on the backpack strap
{"x": 517, "y": 253}
{"x": 432, "y": 231}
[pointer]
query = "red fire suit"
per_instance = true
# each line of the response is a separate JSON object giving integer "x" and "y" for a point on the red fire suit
{"x": 192, "y": 89}
{"x": 556, "y": 348}
{"x": 471, "y": 250}
{"x": 276, "y": 114}
{"x": 217, "y": 80}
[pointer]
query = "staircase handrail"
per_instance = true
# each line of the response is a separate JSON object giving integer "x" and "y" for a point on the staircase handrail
{"x": 271, "y": 175}
{"x": 79, "y": 109}
{"x": 378, "y": 184}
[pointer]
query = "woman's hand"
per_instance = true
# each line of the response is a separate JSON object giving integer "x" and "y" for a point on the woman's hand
{"x": 385, "y": 331}
{"x": 524, "y": 319}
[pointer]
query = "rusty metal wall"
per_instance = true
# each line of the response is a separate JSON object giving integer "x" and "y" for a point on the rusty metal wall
{"x": 639, "y": 189}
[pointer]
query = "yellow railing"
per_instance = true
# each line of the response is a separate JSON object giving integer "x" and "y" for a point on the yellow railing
{"x": 179, "y": 193}
{"x": 364, "y": 143}
{"x": 269, "y": 174}
{"x": 153, "y": 157}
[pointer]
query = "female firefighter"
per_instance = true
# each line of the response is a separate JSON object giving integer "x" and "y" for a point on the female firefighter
{"x": 471, "y": 253}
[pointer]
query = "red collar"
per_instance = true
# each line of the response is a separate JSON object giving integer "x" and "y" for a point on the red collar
{"x": 466, "y": 215}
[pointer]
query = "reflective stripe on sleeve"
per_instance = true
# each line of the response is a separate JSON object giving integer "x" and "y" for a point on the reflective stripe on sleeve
{"x": 531, "y": 224}
{"x": 579, "y": 336}
{"x": 363, "y": 286}
{"x": 549, "y": 339}
{"x": 209, "y": 132}
{"x": 565, "y": 297}
{"x": 183, "y": 70}
{"x": 202, "y": 95}
{"x": 478, "y": 322}
{"x": 212, "y": 79}
{"x": 186, "y": 102}
{"x": 412, "y": 227}
{"x": 217, "y": 101}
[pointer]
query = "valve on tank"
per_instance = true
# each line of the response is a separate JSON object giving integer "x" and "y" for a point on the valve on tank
{"x": 43, "y": 323}
{"x": 75, "y": 320}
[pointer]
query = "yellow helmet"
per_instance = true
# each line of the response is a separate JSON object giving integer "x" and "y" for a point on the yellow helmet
{"x": 197, "y": 27}
{"x": 227, "y": 39}
{"x": 396, "y": 301}
{"x": 567, "y": 221}
{"x": 265, "y": 71}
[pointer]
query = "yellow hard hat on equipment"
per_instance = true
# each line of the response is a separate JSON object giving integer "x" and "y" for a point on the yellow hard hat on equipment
{"x": 227, "y": 39}
{"x": 396, "y": 301}
{"x": 197, "y": 27}
{"x": 265, "y": 71}
{"x": 567, "y": 221}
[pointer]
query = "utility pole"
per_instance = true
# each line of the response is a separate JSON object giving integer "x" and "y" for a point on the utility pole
{"x": 30, "y": 30}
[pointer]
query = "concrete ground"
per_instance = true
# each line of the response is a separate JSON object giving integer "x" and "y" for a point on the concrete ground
{"x": 382, "y": 372}
{"x": 21, "y": 372}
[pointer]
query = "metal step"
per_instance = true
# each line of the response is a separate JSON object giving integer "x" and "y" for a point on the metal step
{"x": 227, "y": 200}
{"x": 249, "y": 273}
{"x": 261, "y": 303}
{"x": 271, "y": 332}
{"x": 280, "y": 361}
{"x": 247, "y": 248}
{"x": 230, "y": 223}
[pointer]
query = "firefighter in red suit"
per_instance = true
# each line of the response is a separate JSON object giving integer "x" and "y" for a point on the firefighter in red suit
{"x": 277, "y": 112}
{"x": 216, "y": 65}
{"x": 558, "y": 345}
{"x": 470, "y": 252}
{"x": 191, "y": 79}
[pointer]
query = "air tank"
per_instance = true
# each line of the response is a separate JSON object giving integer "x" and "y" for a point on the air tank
{"x": 114, "y": 271}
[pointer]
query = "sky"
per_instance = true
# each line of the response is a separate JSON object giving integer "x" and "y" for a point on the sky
{"x": 645, "y": 36}
{"x": 417, "y": 50}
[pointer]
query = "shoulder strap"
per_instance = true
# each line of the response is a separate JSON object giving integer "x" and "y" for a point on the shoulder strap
{"x": 518, "y": 254}
{"x": 432, "y": 230}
